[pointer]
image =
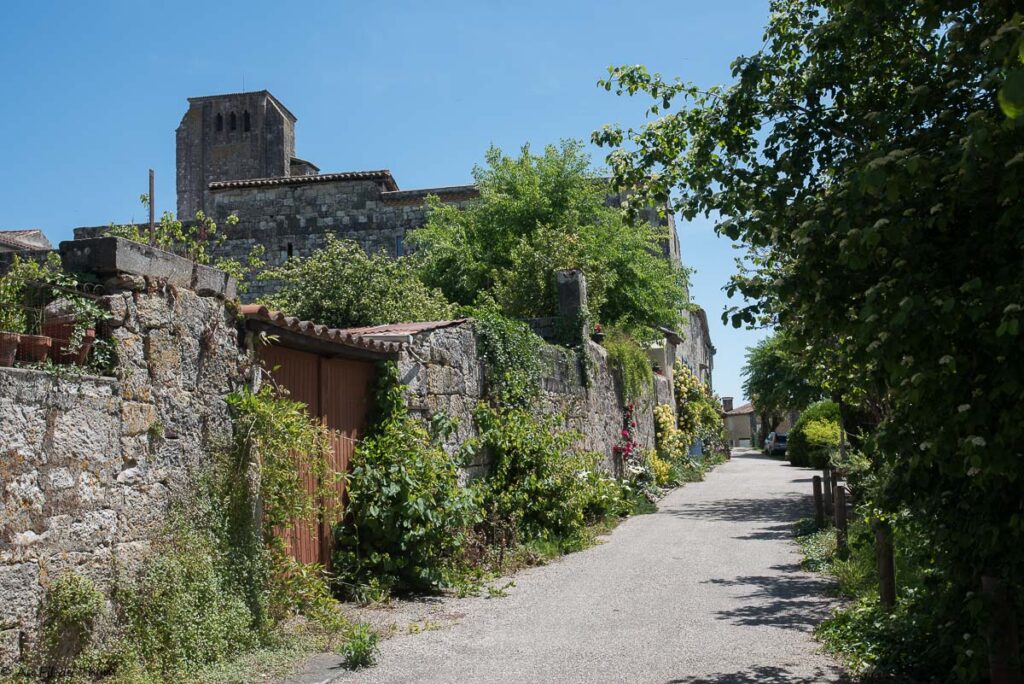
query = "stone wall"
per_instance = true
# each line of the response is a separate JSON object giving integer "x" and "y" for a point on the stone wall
{"x": 445, "y": 374}
{"x": 89, "y": 464}
{"x": 294, "y": 218}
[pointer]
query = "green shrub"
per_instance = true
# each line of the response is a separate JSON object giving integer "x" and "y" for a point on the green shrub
{"x": 632, "y": 364}
{"x": 800, "y": 450}
{"x": 360, "y": 647}
{"x": 70, "y": 610}
{"x": 407, "y": 515}
{"x": 511, "y": 362}
{"x": 538, "y": 214}
{"x": 320, "y": 288}
{"x": 184, "y": 610}
{"x": 538, "y": 483}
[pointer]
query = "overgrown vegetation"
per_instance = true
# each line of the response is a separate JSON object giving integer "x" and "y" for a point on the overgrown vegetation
{"x": 632, "y": 363}
{"x": 876, "y": 644}
{"x": 814, "y": 440}
{"x": 868, "y": 156}
{"x": 538, "y": 214}
{"x": 777, "y": 381}
{"x": 196, "y": 240}
{"x": 407, "y": 517}
{"x": 30, "y": 286}
{"x": 219, "y": 582}
{"x": 341, "y": 286}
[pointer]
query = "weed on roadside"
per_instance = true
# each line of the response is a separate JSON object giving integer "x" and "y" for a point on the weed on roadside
{"x": 360, "y": 649}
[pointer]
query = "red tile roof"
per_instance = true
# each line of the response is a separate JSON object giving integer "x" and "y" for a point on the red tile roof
{"x": 322, "y": 332}
{"x": 383, "y": 175}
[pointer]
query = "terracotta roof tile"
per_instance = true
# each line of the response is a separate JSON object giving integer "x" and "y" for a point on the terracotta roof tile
{"x": 322, "y": 332}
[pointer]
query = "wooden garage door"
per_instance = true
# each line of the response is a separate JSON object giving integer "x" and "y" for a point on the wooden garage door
{"x": 337, "y": 392}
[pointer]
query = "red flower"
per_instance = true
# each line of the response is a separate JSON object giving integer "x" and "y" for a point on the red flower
{"x": 625, "y": 433}
{"x": 633, "y": 423}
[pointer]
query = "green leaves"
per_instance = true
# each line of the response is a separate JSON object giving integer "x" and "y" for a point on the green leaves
{"x": 539, "y": 213}
{"x": 864, "y": 159}
{"x": 339, "y": 285}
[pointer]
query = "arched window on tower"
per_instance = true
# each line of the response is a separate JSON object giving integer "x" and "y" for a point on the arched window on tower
{"x": 245, "y": 121}
{"x": 233, "y": 121}
{"x": 220, "y": 123}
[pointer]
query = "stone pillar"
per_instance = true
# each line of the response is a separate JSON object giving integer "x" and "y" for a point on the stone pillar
{"x": 572, "y": 305}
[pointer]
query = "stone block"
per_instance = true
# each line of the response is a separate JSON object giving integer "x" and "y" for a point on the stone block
{"x": 19, "y": 589}
{"x": 120, "y": 258}
{"x": 117, "y": 256}
{"x": 137, "y": 417}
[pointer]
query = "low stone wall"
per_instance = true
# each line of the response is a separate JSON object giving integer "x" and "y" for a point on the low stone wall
{"x": 445, "y": 374}
{"x": 88, "y": 465}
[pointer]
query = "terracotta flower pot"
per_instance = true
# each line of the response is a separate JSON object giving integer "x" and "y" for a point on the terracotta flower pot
{"x": 86, "y": 347}
{"x": 60, "y": 330}
{"x": 8, "y": 347}
{"x": 33, "y": 348}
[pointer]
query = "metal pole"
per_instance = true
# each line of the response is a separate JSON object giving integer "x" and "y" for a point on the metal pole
{"x": 152, "y": 210}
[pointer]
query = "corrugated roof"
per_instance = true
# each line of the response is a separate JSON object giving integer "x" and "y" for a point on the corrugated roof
{"x": 741, "y": 410}
{"x": 397, "y": 329}
{"x": 381, "y": 175}
{"x": 321, "y": 332}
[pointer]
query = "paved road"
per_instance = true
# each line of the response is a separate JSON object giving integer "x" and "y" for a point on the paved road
{"x": 705, "y": 590}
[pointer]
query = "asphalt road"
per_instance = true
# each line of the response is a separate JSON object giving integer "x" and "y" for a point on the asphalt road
{"x": 707, "y": 589}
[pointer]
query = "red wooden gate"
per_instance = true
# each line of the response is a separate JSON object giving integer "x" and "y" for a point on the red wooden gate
{"x": 336, "y": 391}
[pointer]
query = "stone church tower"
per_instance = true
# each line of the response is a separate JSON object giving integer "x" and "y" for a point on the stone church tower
{"x": 233, "y": 137}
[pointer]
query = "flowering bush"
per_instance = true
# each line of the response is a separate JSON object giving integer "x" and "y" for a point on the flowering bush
{"x": 636, "y": 465}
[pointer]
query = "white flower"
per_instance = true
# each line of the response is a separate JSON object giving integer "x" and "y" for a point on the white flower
{"x": 976, "y": 440}
{"x": 925, "y": 446}
{"x": 963, "y": 407}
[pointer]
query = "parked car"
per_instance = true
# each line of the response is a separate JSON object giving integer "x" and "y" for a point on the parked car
{"x": 775, "y": 445}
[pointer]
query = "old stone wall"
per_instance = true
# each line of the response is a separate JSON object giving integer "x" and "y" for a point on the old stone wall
{"x": 294, "y": 219}
{"x": 445, "y": 374}
{"x": 88, "y": 465}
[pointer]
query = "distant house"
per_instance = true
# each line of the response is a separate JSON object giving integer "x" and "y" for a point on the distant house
{"x": 23, "y": 240}
{"x": 740, "y": 423}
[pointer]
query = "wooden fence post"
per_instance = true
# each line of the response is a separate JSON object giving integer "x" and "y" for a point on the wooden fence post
{"x": 1004, "y": 649}
{"x": 819, "y": 504}
{"x": 886, "y": 564}
{"x": 842, "y": 547}
{"x": 827, "y": 477}
{"x": 835, "y": 483}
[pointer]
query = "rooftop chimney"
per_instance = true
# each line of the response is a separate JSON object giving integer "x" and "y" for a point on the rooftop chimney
{"x": 727, "y": 404}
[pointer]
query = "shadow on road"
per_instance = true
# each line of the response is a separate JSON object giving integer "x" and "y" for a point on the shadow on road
{"x": 762, "y": 675}
{"x": 778, "y": 508}
{"x": 791, "y": 599}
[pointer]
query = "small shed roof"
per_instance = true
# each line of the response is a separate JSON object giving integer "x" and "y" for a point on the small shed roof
{"x": 315, "y": 337}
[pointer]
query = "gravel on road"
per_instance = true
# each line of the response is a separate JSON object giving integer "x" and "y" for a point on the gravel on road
{"x": 708, "y": 589}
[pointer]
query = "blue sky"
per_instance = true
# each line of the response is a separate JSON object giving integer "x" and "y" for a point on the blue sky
{"x": 95, "y": 90}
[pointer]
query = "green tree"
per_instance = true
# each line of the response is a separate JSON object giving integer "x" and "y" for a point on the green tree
{"x": 863, "y": 157}
{"x": 775, "y": 382}
{"x": 538, "y": 214}
{"x": 340, "y": 285}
